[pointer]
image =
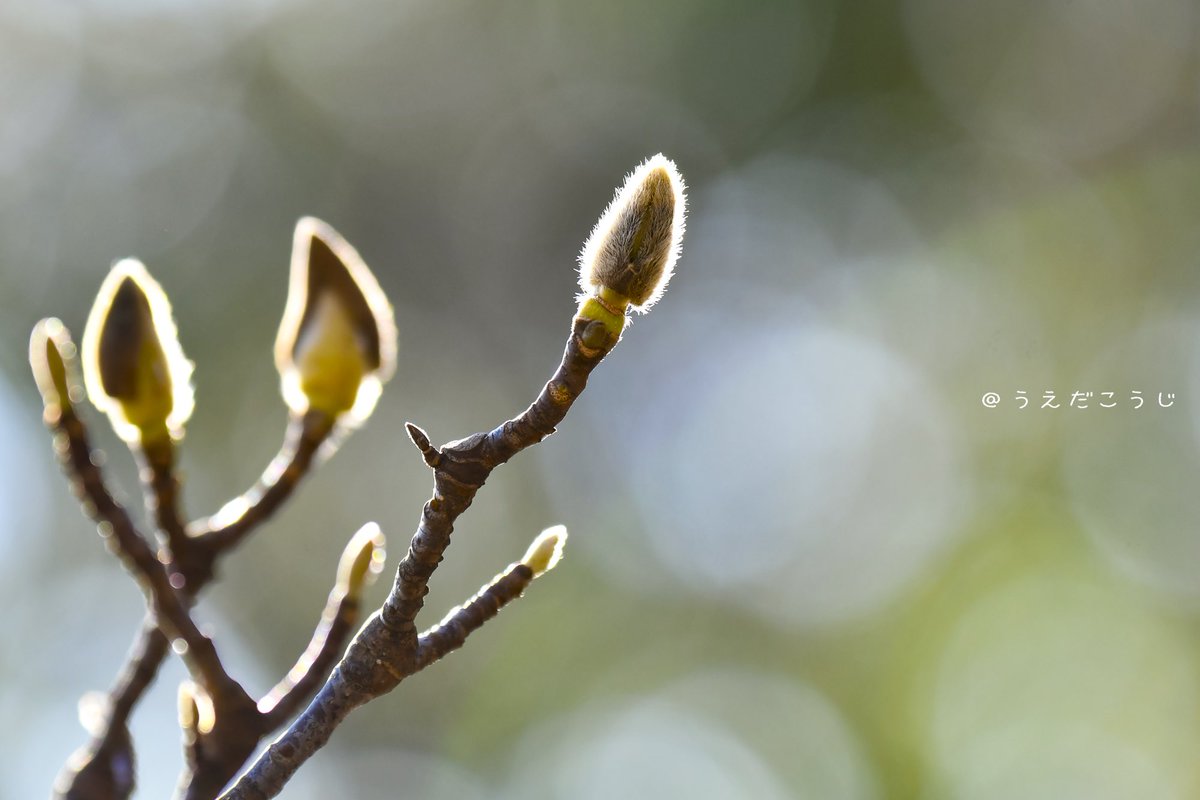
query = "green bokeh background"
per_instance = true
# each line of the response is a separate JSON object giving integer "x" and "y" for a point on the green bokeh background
{"x": 805, "y": 560}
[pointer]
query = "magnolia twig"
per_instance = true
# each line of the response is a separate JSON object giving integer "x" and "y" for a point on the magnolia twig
{"x": 461, "y": 621}
{"x": 53, "y": 356}
{"x": 115, "y": 525}
{"x": 361, "y": 561}
{"x": 334, "y": 350}
{"x": 286, "y": 698}
{"x": 228, "y": 527}
{"x": 194, "y": 555}
{"x": 219, "y": 738}
{"x": 387, "y": 649}
{"x": 161, "y": 489}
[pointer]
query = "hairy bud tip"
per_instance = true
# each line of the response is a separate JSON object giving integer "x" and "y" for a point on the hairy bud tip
{"x": 633, "y": 248}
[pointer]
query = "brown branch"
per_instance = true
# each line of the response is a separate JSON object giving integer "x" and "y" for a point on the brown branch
{"x": 303, "y": 440}
{"x": 195, "y": 551}
{"x": 115, "y": 525}
{"x": 192, "y": 553}
{"x": 160, "y": 487}
{"x": 452, "y": 632}
{"x": 387, "y": 649}
{"x": 337, "y": 623}
{"x": 93, "y": 773}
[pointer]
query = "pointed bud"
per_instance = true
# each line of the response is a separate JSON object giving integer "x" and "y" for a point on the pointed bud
{"x": 629, "y": 258}
{"x": 546, "y": 551}
{"x": 133, "y": 366}
{"x": 362, "y": 560}
{"x": 337, "y": 343}
{"x": 52, "y": 357}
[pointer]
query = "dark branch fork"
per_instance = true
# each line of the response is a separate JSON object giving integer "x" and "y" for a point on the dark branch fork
{"x": 334, "y": 351}
{"x": 171, "y": 578}
{"x": 193, "y": 550}
{"x": 388, "y": 648}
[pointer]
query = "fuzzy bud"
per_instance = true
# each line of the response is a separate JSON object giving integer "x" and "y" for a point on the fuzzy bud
{"x": 631, "y": 253}
{"x": 337, "y": 343}
{"x": 546, "y": 551}
{"x": 133, "y": 366}
{"x": 50, "y": 352}
{"x": 362, "y": 560}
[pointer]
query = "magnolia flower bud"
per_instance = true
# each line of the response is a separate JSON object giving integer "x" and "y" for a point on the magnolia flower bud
{"x": 362, "y": 560}
{"x": 337, "y": 343}
{"x": 133, "y": 366}
{"x": 631, "y": 253}
{"x": 546, "y": 551}
{"x": 196, "y": 712}
{"x": 50, "y": 348}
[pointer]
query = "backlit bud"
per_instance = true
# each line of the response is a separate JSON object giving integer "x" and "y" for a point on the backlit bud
{"x": 196, "y": 711}
{"x": 631, "y": 253}
{"x": 133, "y": 366}
{"x": 362, "y": 559}
{"x": 337, "y": 343}
{"x": 546, "y": 550}
{"x": 50, "y": 349}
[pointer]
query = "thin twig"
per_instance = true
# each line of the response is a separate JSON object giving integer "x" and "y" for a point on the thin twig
{"x": 192, "y": 554}
{"x": 336, "y": 625}
{"x": 115, "y": 525}
{"x": 452, "y": 632}
{"x": 387, "y": 649}
{"x": 169, "y": 607}
{"x": 160, "y": 487}
{"x": 302, "y": 441}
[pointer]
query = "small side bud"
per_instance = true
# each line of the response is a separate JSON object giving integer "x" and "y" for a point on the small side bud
{"x": 50, "y": 352}
{"x": 546, "y": 551}
{"x": 362, "y": 560}
{"x": 133, "y": 366}
{"x": 94, "y": 708}
{"x": 336, "y": 346}
{"x": 196, "y": 712}
{"x": 631, "y": 253}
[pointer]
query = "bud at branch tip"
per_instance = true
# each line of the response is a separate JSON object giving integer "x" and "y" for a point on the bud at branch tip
{"x": 336, "y": 346}
{"x": 362, "y": 559}
{"x": 631, "y": 253}
{"x": 133, "y": 366}
{"x": 50, "y": 351}
{"x": 546, "y": 551}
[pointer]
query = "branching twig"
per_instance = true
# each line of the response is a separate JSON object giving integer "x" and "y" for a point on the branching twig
{"x": 334, "y": 351}
{"x": 131, "y": 547}
{"x": 53, "y": 356}
{"x": 387, "y": 649}
{"x": 230, "y": 526}
{"x": 362, "y": 560}
{"x": 461, "y": 621}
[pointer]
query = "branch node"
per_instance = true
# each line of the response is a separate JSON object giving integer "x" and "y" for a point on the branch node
{"x": 433, "y": 456}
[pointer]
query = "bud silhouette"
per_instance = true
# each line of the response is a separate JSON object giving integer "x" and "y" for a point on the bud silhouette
{"x": 196, "y": 712}
{"x": 546, "y": 551}
{"x": 362, "y": 560}
{"x": 337, "y": 343}
{"x": 631, "y": 253}
{"x": 133, "y": 366}
{"x": 50, "y": 349}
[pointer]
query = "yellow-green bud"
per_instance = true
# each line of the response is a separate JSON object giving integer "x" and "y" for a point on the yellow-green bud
{"x": 631, "y": 252}
{"x": 546, "y": 551}
{"x": 133, "y": 366}
{"x": 337, "y": 343}
{"x": 362, "y": 560}
{"x": 50, "y": 348}
{"x": 196, "y": 712}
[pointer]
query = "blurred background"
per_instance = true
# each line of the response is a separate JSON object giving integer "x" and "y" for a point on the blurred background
{"x": 806, "y": 561}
